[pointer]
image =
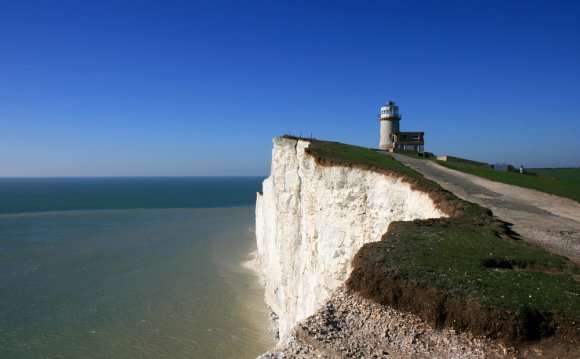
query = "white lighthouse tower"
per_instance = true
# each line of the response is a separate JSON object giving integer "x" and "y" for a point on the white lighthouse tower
{"x": 389, "y": 118}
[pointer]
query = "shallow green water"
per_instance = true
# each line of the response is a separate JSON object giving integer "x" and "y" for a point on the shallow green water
{"x": 130, "y": 283}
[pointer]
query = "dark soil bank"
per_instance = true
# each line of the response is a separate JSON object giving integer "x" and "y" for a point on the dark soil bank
{"x": 377, "y": 276}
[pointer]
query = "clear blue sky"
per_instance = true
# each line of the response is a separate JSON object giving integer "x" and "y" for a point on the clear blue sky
{"x": 201, "y": 87}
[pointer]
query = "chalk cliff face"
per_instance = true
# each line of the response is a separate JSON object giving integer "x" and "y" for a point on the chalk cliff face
{"x": 312, "y": 219}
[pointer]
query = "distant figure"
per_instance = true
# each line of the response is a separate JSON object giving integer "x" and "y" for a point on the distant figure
{"x": 521, "y": 169}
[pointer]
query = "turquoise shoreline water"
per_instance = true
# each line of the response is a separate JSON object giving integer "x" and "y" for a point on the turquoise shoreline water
{"x": 132, "y": 282}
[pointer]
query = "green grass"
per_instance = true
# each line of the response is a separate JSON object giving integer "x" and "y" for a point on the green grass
{"x": 563, "y": 188}
{"x": 358, "y": 156}
{"x": 453, "y": 254}
{"x": 559, "y": 174}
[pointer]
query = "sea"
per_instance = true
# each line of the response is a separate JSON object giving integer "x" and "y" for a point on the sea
{"x": 130, "y": 268}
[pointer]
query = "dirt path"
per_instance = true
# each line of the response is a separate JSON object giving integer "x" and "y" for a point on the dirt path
{"x": 546, "y": 220}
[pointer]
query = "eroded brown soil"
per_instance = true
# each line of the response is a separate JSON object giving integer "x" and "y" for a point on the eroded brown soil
{"x": 461, "y": 314}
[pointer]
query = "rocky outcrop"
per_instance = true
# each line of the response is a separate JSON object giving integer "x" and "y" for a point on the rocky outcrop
{"x": 311, "y": 219}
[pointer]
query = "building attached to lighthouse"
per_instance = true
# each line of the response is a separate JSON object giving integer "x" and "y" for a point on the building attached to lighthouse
{"x": 391, "y": 138}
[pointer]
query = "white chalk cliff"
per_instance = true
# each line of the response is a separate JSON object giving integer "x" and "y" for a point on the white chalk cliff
{"x": 312, "y": 219}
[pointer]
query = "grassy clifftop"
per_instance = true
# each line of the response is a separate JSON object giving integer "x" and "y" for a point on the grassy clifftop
{"x": 465, "y": 271}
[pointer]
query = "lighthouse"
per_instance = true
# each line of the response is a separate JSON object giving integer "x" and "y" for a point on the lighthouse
{"x": 394, "y": 140}
{"x": 389, "y": 119}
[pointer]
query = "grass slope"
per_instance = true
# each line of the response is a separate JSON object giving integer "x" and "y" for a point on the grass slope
{"x": 559, "y": 174}
{"x": 559, "y": 187}
{"x": 358, "y": 156}
{"x": 464, "y": 271}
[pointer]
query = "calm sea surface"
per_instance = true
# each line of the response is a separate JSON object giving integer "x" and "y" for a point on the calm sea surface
{"x": 129, "y": 268}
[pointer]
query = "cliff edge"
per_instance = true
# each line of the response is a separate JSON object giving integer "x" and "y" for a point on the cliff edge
{"x": 331, "y": 213}
{"x": 311, "y": 220}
